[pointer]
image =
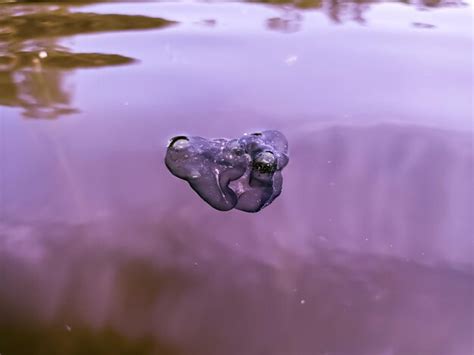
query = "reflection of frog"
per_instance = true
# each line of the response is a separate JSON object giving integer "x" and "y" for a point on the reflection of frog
{"x": 244, "y": 173}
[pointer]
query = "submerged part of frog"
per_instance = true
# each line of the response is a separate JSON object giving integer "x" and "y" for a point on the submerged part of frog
{"x": 242, "y": 173}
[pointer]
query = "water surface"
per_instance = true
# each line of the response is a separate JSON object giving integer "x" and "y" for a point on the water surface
{"x": 367, "y": 251}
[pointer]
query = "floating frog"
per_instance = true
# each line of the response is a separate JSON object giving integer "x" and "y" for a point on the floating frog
{"x": 242, "y": 173}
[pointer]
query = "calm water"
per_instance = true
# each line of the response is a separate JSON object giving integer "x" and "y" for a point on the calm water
{"x": 369, "y": 249}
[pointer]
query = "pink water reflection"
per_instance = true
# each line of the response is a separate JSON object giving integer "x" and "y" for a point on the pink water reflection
{"x": 367, "y": 251}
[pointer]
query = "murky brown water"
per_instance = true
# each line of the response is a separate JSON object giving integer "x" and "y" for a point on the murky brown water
{"x": 369, "y": 249}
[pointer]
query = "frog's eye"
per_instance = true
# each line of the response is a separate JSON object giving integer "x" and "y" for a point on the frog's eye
{"x": 265, "y": 162}
{"x": 179, "y": 142}
{"x": 258, "y": 134}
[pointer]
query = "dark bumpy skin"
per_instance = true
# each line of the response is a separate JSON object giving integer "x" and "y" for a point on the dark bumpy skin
{"x": 242, "y": 173}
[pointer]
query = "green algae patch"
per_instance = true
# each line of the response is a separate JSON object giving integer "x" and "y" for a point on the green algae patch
{"x": 62, "y": 23}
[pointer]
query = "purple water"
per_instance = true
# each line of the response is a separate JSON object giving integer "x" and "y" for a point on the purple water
{"x": 369, "y": 249}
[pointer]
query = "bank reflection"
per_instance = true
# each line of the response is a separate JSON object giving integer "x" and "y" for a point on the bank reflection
{"x": 339, "y": 11}
{"x": 34, "y": 67}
